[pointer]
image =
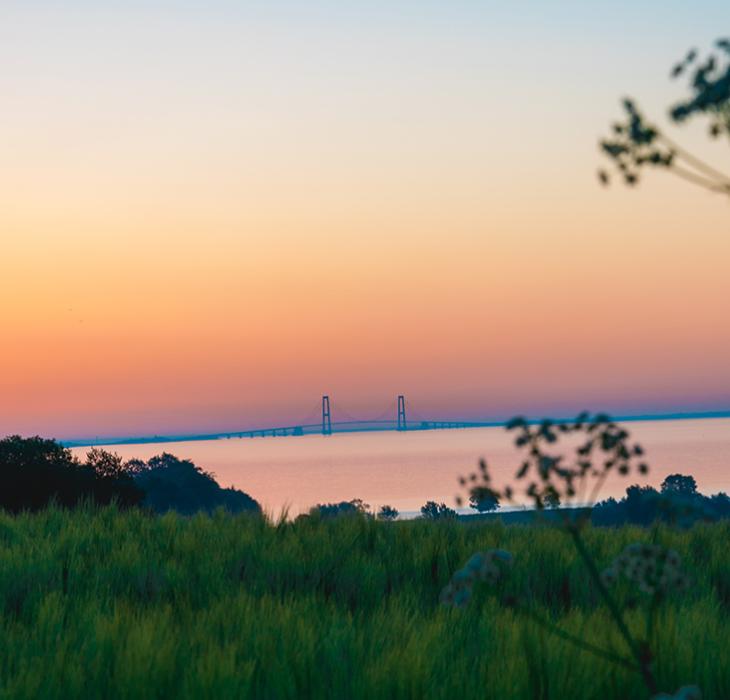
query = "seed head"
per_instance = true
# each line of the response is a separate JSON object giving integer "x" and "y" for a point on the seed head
{"x": 489, "y": 566}
{"x": 653, "y": 568}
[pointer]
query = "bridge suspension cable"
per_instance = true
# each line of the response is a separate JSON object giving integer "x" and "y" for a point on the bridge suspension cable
{"x": 415, "y": 414}
{"x": 313, "y": 415}
{"x": 338, "y": 410}
{"x": 387, "y": 414}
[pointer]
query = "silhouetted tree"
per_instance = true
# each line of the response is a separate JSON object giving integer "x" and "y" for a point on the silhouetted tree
{"x": 552, "y": 500}
{"x": 437, "y": 511}
{"x": 483, "y": 499}
{"x": 641, "y": 504}
{"x": 107, "y": 465}
{"x": 35, "y": 472}
{"x": 360, "y": 505}
{"x": 719, "y": 505}
{"x": 135, "y": 466}
{"x": 679, "y": 502}
{"x": 608, "y": 512}
{"x": 636, "y": 144}
{"x": 679, "y": 485}
{"x": 113, "y": 480}
{"x": 332, "y": 510}
{"x": 387, "y": 513}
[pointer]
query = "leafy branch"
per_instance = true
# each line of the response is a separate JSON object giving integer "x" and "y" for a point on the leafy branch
{"x": 635, "y": 143}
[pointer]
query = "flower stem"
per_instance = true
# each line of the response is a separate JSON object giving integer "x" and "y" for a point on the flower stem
{"x": 577, "y": 641}
{"x": 640, "y": 656}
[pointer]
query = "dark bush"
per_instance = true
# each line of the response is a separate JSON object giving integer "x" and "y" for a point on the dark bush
{"x": 176, "y": 484}
{"x": 484, "y": 500}
{"x": 35, "y": 472}
{"x": 437, "y": 511}
{"x": 678, "y": 502}
{"x": 387, "y": 513}
{"x": 334, "y": 510}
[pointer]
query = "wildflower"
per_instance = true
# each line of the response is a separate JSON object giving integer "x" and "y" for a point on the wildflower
{"x": 489, "y": 572}
{"x": 486, "y": 566}
{"x": 653, "y": 568}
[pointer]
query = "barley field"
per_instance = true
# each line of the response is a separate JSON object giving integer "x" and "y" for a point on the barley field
{"x": 105, "y": 603}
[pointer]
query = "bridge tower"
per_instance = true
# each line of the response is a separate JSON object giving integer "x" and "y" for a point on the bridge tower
{"x": 326, "y": 416}
{"x": 401, "y": 412}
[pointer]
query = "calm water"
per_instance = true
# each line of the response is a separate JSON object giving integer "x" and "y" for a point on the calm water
{"x": 407, "y": 469}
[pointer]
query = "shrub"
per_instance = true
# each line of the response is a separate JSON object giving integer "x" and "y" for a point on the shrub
{"x": 176, "y": 484}
{"x": 35, "y": 472}
{"x": 437, "y": 511}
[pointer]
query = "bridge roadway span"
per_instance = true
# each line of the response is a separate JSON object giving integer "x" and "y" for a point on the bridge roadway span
{"x": 289, "y": 430}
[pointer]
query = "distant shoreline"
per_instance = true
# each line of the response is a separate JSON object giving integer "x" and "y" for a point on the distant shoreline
{"x": 199, "y": 437}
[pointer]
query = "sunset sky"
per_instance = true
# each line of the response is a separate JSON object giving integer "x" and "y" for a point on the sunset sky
{"x": 211, "y": 213}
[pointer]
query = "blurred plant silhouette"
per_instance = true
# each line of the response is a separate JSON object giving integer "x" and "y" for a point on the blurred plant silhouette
{"x": 599, "y": 447}
{"x": 635, "y": 143}
{"x": 550, "y": 478}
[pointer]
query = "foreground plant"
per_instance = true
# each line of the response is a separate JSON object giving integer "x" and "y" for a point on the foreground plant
{"x": 602, "y": 447}
{"x": 490, "y": 566}
{"x": 655, "y": 570}
{"x": 635, "y": 144}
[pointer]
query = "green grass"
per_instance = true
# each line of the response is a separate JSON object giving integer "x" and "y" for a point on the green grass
{"x": 99, "y": 603}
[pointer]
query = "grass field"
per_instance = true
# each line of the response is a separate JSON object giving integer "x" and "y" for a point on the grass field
{"x": 99, "y": 603}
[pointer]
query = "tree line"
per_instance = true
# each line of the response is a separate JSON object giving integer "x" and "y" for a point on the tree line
{"x": 677, "y": 501}
{"x": 37, "y": 472}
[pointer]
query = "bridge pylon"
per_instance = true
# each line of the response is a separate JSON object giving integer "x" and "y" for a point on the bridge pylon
{"x": 402, "y": 425}
{"x": 326, "y": 416}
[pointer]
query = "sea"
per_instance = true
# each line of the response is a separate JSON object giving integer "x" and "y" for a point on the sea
{"x": 406, "y": 469}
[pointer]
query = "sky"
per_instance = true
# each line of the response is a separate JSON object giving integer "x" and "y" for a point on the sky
{"x": 213, "y": 213}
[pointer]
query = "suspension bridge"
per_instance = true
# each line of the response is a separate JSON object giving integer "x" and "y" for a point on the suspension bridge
{"x": 325, "y": 418}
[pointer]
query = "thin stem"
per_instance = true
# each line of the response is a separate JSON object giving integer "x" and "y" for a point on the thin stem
{"x": 695, "y": 161}
{"x": 655, "y": 599}
{"x": 577, "y": 641}
{"x": 699, "y": 180}
{"x": 650, "y": 615}
{"x": 614, "y": 610}
{"x": 580, "y": 495}
{"x": 599, "y": 483}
